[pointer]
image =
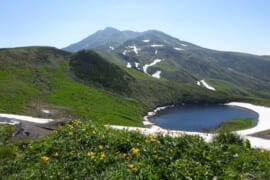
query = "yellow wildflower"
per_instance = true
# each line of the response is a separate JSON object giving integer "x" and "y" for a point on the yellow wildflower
{"x": 70, "y": 133}
{"x": 124, "y": 154}
{"x": 55, "y": 154}
{"x": 45, "y": 158}
{"x": 100, "y": 147}
{"x": 83, "y": 129}
{"x": 132, "y": 167}
{"x": 102, "y": 155}
{"x": 91, "y": 155}
{"x": 262, "y": 151}
{"x": 94, "y": 132}
{"x": 135, "y": 150}
{"x": 71, "y": 152}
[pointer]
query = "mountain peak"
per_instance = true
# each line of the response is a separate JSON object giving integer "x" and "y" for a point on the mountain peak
{"x": 110, "y": 29}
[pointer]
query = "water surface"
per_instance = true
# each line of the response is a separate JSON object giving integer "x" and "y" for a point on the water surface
{"x": 198, "y": 118}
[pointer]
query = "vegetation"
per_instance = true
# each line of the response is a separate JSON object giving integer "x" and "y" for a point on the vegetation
{"x": 6, "y": 132}
{"x": 93, "y": 69}
{"x": 234, "y": 125}
{"x": 87, "y": 151}
{"x": 34, "y": 77}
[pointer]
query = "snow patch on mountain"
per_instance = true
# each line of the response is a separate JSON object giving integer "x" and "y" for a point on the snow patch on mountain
{"x": 13, "y": 117}
{"x": 129, "y": 65}
{"x": 146, "y": 40}
{"x": 156, "y": 51}
{"x": 124, "y": 52}
{"x": 146, "y": 66}
{"x": 137, "y": 65}
{"x": 134, "y": 49}
{"x": 131, "y": 49}
{"x": 111, "y": 47}
{"x": 178, "y": 49}
{"x": 183, "y": 45}
{"x": 156, "y": 74}
{"x": 46, "y": 111}
{"x": 204, "y": 84}
{"x": 156, "y": 45}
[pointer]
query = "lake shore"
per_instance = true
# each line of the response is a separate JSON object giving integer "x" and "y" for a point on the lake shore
{"x": 256, "y": 142}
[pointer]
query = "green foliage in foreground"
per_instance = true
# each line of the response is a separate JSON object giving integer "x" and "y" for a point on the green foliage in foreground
{"x": 86, "y": 151}
{"x": 6, "y": 132}
{"x": 234, "y": 125}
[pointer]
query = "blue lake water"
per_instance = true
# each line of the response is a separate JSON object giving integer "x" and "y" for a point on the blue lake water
{"x": 197, "y": 118}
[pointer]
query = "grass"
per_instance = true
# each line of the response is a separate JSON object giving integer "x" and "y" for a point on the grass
{"x": 92, "y": 104}
{"x": 41, "y": 77}
{"x": 6, "y": 133}
{"x": 84, "y": 150}
{"x": 234, "y": 125}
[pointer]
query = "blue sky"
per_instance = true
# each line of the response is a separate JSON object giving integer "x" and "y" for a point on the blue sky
{"x": 231, "y": 25}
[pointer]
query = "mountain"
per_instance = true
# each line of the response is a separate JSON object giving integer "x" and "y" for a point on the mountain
{"x": 109, "y": 38}
{"x": 162, "y": 56}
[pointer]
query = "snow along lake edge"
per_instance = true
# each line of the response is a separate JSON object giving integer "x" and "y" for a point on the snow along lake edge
{"x": 263, "y": 124}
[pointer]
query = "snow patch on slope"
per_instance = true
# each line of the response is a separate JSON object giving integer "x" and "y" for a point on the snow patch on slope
{"x": 137, "y": 65}
{"x": 156, "y": 74}
{"x": 46, "y": 111}
{"x": 146, "y": 40}
{"x": 129, "y": 65}
{"x": 204, "y": 84}
{"x": 131, "y": 49}
{"x": 111, "y": 47}
{"x": 14, "y": 117}
{"x": 134, "y": 49}
{"x": 156, "y": 51}
{"x": 178, "y": 49}
{"x": 124, "y": 52}
{"x": 146, "y": 66}
{"x": 183, "y": 45}
{"x": 156, "y": 45}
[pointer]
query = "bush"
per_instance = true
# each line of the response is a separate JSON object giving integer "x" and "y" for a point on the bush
{"x": 228, "y": 138}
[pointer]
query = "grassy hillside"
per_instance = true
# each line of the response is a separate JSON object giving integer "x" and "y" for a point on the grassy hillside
{"x": 36, "y": 77}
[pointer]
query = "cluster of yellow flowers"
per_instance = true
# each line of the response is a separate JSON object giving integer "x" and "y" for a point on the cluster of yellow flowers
{"x": 132, "y": 167}
{"x": 91, "y": 155}
{"x": 102, "y": 155}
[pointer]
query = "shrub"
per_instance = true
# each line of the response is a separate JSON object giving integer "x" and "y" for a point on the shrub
{"x": 228, "y": 138}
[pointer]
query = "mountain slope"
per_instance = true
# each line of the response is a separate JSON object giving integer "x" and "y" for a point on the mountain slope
{"x": 163, "y": 56}
{"x": 36, "y": 78}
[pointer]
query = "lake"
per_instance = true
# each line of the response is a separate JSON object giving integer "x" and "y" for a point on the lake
{"x": 197, "y": 118}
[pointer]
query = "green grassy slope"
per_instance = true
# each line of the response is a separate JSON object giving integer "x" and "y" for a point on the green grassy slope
{"x": 34, "y": 77}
